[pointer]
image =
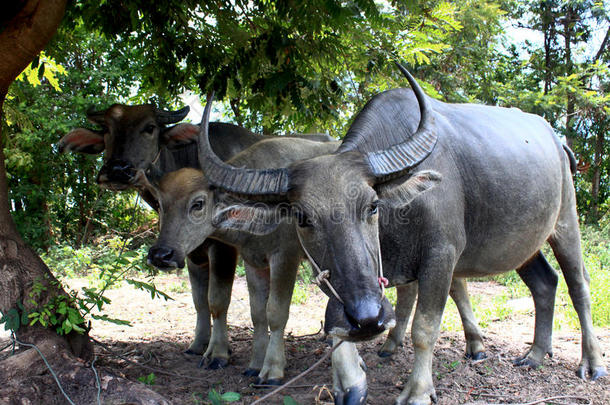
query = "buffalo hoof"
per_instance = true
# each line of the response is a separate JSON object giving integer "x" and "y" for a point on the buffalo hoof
{"x": 433, "y": 398}
{"x": 251, "y": 372}
{"x": 217, "y": 364}
{"x": 476, "y": 356}
{"x": 271, "y": 381}
{"x": 192, "y": 352}
{"x": 598, "y": 373}
{"x": 355, "y": 395}
{"x": 595, "y": 374}
{"x": 526, "y": 362}
{"x": 383, "y": 354}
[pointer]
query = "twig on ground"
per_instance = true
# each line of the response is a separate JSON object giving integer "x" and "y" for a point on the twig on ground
{"x": 309, "y": 334}
{"x": 292, "y": 386}
{"x": 539, "y": 401}
{"x": 154, "y": 369}
{"x": 303, "y": 374}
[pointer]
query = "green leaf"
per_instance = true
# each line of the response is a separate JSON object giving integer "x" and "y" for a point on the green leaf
{"x": 106, "y": 318}
{"x": 288, "y": 400}
{"x": 230, "y": 396}
{"x": 215, "y": 397}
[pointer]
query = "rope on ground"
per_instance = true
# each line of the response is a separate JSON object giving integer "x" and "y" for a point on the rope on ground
{"x": 14, "y": 338}
{"x": 298, "y": 377}
{"x": 98, "y": 384}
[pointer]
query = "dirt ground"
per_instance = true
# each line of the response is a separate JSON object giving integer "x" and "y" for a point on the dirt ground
{"x": 162, "y": 330}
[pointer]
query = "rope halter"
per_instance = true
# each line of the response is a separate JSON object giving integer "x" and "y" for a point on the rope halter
{"x": 323, "y": 276}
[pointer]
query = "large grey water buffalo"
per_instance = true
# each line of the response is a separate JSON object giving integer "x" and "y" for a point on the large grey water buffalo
{"x": 469, "y": 191}
{"x": 190, "y": 212}
{"x": 138, "y": 138}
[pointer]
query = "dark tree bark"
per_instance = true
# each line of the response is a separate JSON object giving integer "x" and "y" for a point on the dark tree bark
{"x": 24, "y": 377}
{"x": 597, "y": 172}
{"x": 567, "y": 22}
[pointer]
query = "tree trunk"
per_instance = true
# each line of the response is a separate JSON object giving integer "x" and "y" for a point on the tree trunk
{"x": 597, "y": 173}
{"x": 24, "y": 377}
{"x": 570, "y": 118}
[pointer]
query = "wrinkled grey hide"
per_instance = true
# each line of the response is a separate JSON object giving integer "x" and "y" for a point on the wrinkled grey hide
{"x": 473, "y": 191}
{"x": 138, "y": 137}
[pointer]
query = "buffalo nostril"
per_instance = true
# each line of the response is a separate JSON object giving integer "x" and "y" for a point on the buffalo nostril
{"x": 160, "y": 255}
{"x": 118, "y": 170}
{"x": 366, "y": 316}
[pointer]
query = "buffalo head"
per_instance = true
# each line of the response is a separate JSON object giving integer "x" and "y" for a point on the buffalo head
{"x": 131, "y": 137}
{"x": 336, "y": 201}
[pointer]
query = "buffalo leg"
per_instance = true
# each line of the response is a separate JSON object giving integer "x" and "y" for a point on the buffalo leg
{"x": 349, "y": 377}
{"x": 258, "y": 290}
{"x": 223, "y": 259}
{"x": 474, "y": 339}
{"x": 198, "y": 277}
{"x": 566, "y": 247}
{"x": 406, "y": 295}
{"x": 541, "y": 279}
{"x": 405, "y": 298}
{"x": 283, "y": 275}
{"x": 433, "y": 289}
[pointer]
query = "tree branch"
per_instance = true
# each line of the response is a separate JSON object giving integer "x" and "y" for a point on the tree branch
{"x": 602, "y": 47}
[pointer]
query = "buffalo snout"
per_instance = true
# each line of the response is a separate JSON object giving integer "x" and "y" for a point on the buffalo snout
{"x": 165, "y": 258}
{"x": 116, "y": 174}
{"x": 362, "y": 320}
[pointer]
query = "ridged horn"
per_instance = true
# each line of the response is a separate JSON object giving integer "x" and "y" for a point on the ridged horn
{"x": 96, "y": 117}
{"x": 391, "y": 162}
{"x": 170, "y": 117}
{"x": 258, "y": 184}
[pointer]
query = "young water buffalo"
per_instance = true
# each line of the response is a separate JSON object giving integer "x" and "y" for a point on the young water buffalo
{"x": 138, "y": 138}
{"x": 506, "y": 189}
{"x": 191, "y": 212}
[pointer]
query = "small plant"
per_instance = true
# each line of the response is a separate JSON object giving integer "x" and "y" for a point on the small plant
{"x": 452, "y": 366}
{"x": 240, "y": 270}
{"x": 106, "y": 266}
{"x": 300, "y": 293}
{"x": 219, "y": 399}
{"x": 288, "y": 400}
{"x": 178, "y": 288}
{"x": 148, "y": 379}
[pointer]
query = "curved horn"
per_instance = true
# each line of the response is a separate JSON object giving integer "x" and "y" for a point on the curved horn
{"x": 253, "y": 183}
{"x": 96, "y": 117}
{"x": 169, "y": 117}
{"x": 392, "y": 161}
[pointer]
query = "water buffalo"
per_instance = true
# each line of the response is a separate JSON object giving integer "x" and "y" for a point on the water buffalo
{"x": 138, "y": 137}
{"x": 506, "y": 189}
{"x": 190, "y": 212}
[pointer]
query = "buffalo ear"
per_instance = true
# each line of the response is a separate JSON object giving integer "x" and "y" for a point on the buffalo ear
{"x": 402, "y": 193}
{"x": 258, "y": 219}
{"x": 181, "y": 134}
{"x": 82, "y": 140}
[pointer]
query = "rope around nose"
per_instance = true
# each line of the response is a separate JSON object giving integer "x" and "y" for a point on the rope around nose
{"x": 323, "y": 276}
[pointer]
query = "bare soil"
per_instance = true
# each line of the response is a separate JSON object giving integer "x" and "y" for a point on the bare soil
{"x": 162, "y": 330}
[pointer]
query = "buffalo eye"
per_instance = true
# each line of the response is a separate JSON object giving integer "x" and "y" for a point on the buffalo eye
{"x": 149, "y": 128}
{"x": 303, "y": 220}
{"x": 197, "y": 205}
{"x": 373, "y": 208}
